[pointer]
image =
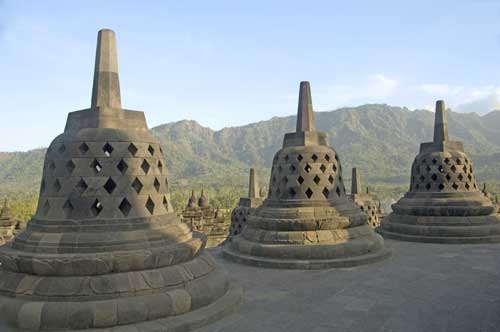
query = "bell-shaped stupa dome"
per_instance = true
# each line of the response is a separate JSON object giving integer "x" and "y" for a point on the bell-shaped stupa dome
{"x": 105, "y": 248}
{"x": 444, "y": 203}
{"x": 307, "y": 220}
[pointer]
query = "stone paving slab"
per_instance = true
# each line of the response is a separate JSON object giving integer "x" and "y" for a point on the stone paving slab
{"x": 423, "y": 287}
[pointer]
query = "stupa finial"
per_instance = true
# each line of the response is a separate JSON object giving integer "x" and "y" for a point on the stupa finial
{"x": 355, "y": 182}
{"x": 305, "y": 115}
{"x": 253, "y": 186}
{"x": 106, "y": 88}
{"x": 440, "y": 123}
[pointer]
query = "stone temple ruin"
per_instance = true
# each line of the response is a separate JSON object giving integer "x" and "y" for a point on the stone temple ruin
{"x": 200, "y": 216}
{"x": 307, "y": 220}
{"x": 105, "y": 248}
{"x": 246, "y": 206}
{"x": 9, "y": 226}
{"x": 444, "y": 203}
{"x": 365, "y": 201}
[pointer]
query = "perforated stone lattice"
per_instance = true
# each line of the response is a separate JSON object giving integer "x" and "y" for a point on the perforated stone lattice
{"x": 306, "y": 175}
{"x": 443, "y": 172}
{"x": 86, "y": 176}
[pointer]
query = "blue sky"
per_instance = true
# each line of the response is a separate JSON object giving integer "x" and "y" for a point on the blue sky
{"x": 228, "y": 63}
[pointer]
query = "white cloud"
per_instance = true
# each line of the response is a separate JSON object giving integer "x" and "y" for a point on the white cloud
{"x": 375, "y": 88}
{"x": 465, "y": 99}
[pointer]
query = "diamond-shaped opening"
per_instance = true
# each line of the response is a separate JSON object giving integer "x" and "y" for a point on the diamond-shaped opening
{"x": 441, "y": 186}
{"x": 284, "y": 179}
{"x": 460, "y": 177}
{"x": 150, "y": 205}
{"x": 362, "y": 207}
{"x": 57, "y": 185}
{"x": 314, "y": 157}
{"x": 455, "y": 186}
{"x": 326, "y": 192}
{"x": 68, "y": 208}
{"x": 70, "y": 166}
{"x": 42, "y": 186}
{"x": 441, "y": 169}
{"x": 96, "y": 208}
{"x": 447, "y": 160}
{"x": 81, "y": 186}
{"x": 428, "y": 186}
{"x": 125, "y": 207}
{"x": 307, "y": 168}
{"x": 108, "y": 149}
{"x": 417, "y": 186}
{"x": 453, "y": 168}
{"x": 96, "y": 166}
{"x": 160, "y": 166}
{"x": 280, "y": 169}
{"x": 274, "y": 179}
{"x": 428, "y": 168}
{"x": 52, "y": 165}
{"x": 327, "y": 157}
{"x": 166, "y": 184}
{"x": 62, "y": 148}
{"x": 156, "y": 184}
{"x": 122, "y": 166}
{"x": 292, "y": 168}
{"x": 292, "y": 192}
{"x": 434, "y": 177}
{"x": 465, "y": 169}
{"x": 165, "y": 203}
{"x": 334, "y": 168}
{"x": 459, "y": 162}
{"x": 434, "y": 161}
{"x": 336, "y": 158}
{"x": 309, "y": 192}
{"x": 322, "y": 168}
{"x": 300, "y": 179}
{"x": 286, "y": 158}
{"x": 299, "y": 157}
{"x": 84, "y": 148}
{"x": 110, "y": 186}
{"x": 422, "y": 178}
{"x": 317, "y": 179}
{"x": 46, "y": 208}
{"x": 423, "y": 161}
{"x": 467, "y": 186}
{"x": 331, "y": 179}
{"x": 137, "y": 185}
{"x": 338, "y": 191}
{"x": 151, "y": 150}
{"x": 145, "y": 166}
{"x": 469, "y": 177}
{"x": 466, "y": 160}
{"x": 448, "y": 177}
{"x": 132, "y": 149}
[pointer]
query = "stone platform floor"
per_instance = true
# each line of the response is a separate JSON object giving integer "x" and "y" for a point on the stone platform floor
{"x": 422, "y": 287}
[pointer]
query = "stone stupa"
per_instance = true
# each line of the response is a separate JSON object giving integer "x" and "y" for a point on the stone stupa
{"x": 444, "y": 203}
{"x": 245, "y": 206}
{"x": 364, "y": 200}
{"x": 307, "y": 221}
{"x": 105, "y": 249}
{"x": 9, "y": 226}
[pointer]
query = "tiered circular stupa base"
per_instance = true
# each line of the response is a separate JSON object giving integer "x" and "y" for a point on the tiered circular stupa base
{"x": 305, "y": 238}
{"x": 181, "y": 297}
{"x": 443, "y": 218}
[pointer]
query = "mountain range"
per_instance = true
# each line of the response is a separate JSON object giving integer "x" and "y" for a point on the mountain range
{"x": 379, "y": 139}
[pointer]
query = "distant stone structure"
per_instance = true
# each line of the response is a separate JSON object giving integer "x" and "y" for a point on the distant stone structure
{"x": 202, "y": 217}
{"x": 105, "y": 249}
{"x": 444, "y": 203}
{"x": 246, "y": 206}
{"x": 307, "y": 221}
{"x": 493, "y": 199}
{"x": 365, "y": 201}
{"x": 9, "y": 226}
